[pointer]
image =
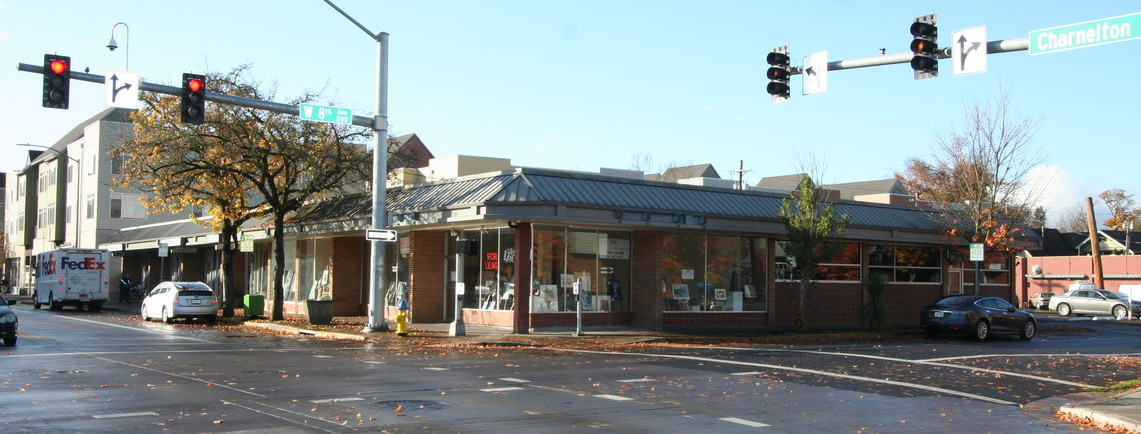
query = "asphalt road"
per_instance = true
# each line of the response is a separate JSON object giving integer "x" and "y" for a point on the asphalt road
{"x": 106, "y": 372}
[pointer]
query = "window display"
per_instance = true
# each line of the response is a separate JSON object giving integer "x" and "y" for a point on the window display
{"x": 715, "y": 273}
{"x": 906, "y": 263}
{"x": 598, "y": 260}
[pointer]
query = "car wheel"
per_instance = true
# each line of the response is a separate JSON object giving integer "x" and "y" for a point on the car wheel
{"x": 143, "y": 313}
{"x": 212, "y": 319}
{"x": 1064, "y": 309}
{"x": 166, "y": 319}
{"x": 1028, "y": 330}
{"x": 55, "y": 305}
{"x": 36, "y": 300}
{"x": 982, "y": 330}
{"x": 1118, "y": 312}
{"x": 11, "y": 342}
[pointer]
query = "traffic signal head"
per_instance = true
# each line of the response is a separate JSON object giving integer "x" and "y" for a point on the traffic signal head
{"x": 778, "y": 74}
{"x": 193, "y": 99}
{"x": 57, "y": 81}
{"x": 924, "y": 47}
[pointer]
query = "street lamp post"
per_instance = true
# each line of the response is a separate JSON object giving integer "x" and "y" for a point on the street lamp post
{"x": 376, "y": 321}
{"x": 112, "y": 45}
{"x": 78, "y": 184}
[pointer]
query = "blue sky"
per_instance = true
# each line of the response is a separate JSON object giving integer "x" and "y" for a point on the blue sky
{"x": 585, "y": 84}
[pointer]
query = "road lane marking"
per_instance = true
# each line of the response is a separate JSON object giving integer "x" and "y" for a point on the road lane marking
{"x": 614, "y": 397}
{"x": 928, "y": 362}
{"x": 515, "y": 380}
{"x": 636, "y": 380}
{"x": 803, "y": 370}
{"x": 432, "y": 368}
{"x": 330, "y": 400}
{"x": 132, "y": 328}
{"x": 500, "y": 389}
{"x": 184, "y": 377}
{"x": 745, "y": 422}
{"x": 305, "y": 417}
{"x": 118, "y": 415}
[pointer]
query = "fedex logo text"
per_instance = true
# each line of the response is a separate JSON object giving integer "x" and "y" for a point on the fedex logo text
{"x": 83, "y": 264}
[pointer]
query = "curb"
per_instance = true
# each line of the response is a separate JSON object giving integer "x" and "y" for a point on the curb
{"x": 307, "y": 332}
{"x": 1100, "y": 417}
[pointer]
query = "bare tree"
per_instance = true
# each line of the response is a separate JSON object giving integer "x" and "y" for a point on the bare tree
{"x": 1073, "y": 219}
{"x": 979, "y": 173}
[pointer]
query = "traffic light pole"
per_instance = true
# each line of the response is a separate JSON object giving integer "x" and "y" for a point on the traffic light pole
{"x": 993, "y": 47}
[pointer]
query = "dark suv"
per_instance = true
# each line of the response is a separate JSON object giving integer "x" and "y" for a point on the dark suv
{"x": 8, "y": 322}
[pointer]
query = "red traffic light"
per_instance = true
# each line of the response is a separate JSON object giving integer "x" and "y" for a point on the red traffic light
{"x": 58, "y": 66}
{"x": 194, "y": 85}
{"x": 775, "y": 73}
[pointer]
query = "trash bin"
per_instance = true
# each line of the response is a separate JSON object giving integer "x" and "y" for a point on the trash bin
{"x": 253, "y": 305}
{"x": 319, "y": 311}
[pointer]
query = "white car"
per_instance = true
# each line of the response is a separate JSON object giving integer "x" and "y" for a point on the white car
{"x": 170, "y": 300}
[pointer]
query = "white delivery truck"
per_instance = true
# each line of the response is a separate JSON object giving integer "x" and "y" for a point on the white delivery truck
{"x": 74, "y": 277}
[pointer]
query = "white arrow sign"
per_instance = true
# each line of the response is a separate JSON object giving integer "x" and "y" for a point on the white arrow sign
{"x": 122, "y": 89}
{"x": 815, "y": 73}
{"x": 380, "y": 234}
{"x": 968, "y": 51}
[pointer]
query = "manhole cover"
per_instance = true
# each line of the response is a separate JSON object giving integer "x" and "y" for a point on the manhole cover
{"x": 411, "y": 404}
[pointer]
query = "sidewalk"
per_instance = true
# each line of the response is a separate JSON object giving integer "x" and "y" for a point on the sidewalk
{"x": 1112, "y": 411}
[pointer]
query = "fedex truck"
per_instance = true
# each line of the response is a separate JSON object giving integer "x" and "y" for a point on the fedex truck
{"x": 76, "y": 277}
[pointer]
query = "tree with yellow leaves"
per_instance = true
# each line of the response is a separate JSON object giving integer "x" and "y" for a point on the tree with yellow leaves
{"x": 241, "y": 164}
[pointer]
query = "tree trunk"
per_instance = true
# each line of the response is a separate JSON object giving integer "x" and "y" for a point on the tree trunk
{"x": 278, "y": 267}
{"x": 229, "y": 289}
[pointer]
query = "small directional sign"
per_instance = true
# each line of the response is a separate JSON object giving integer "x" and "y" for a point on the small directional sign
{"x": 968, "y": 51}
{"x": 122, "y": 89}
{"x": 380, "y": 234}
{"x": 815, "y": 73}
{"x": 320, "y": 113}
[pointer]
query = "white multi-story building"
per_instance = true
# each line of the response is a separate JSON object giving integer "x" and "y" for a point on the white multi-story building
{"x": 63, "y": 197}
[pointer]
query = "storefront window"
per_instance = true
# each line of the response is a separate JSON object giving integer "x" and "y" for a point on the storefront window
{"x": 994, "y": 270}
{"x": 843, "y": 266}
{"x": 311, "y": 271}
{"x": 398, "y": 277}
{"x": 906, "y": 263}
{"x": 598, "y": 261}
{"x": 715, "y": 273}
{"x": 490, "y": 274}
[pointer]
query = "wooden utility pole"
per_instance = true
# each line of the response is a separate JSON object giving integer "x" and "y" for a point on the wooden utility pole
{"x": 1095, "y": 244}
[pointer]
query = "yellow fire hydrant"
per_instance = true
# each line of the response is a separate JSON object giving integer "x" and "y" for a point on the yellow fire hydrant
{"x": 402, "y": 319}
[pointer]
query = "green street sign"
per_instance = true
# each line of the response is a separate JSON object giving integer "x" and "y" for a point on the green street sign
{"x": 320, "y": 113}
{"x": 1087, "y": 34}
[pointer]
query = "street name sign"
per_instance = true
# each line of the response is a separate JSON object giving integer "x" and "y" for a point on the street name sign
{"x": 320, "y": 113}
{"x": 1087, "y": 34}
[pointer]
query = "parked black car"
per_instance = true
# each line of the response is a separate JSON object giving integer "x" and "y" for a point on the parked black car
{"x": 8, "y": 322}
{"x": 978, "y": 316}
